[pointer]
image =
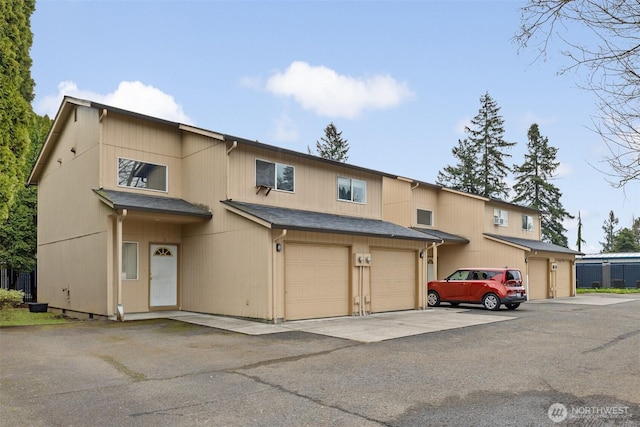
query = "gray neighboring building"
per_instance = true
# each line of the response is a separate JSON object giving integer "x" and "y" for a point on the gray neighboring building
{"x": 609, "y": 270}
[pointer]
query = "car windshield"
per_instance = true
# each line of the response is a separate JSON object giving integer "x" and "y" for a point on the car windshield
{"x": 513, "y": 275}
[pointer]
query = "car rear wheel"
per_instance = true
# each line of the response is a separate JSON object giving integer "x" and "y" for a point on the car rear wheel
{"x": 513, "y": 305}
{"x": 491, "y": 302}
{"x": 433, "y": 299}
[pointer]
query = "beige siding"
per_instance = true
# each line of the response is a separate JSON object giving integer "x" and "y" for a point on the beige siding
{"x": 142, "y": 140}
{"x": 396, "y": 196}
{"x": 316, "y": 281}
{"x": 514, "y": 226}
{"x": 425, "y": 198}
{"x": 563, "y": 284}
{"x": 393, "y": 280}
{"x": 315, "y": 184}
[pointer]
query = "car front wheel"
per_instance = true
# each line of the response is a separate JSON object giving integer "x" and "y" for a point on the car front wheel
{"x": 491, "y": 302}
{"x": 433, "y": 299}
{"x": 513, "y": 305}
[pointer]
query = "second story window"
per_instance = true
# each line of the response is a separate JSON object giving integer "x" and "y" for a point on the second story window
{"x": 425, "y": 217}
{"x": 352, "y": 190}
{"x": 275, "y": 175}
{"x": 500, "y": 218}
{"x": 136, "y": 174}
{"x": 527, "y": 223}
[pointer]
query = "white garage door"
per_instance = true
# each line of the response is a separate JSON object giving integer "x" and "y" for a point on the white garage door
{"x": 538, "y": 282}
{"x": 316, "y": 281}
{"x": 393, "y": 280}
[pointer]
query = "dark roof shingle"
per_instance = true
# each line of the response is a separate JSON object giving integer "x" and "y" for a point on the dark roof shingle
{"x": 149, "y": 203}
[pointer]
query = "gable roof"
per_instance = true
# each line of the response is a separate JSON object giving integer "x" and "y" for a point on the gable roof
{"x": 295, "y": 219}
{"x": 533, "y": 245}
{"x": 152, "y": 204}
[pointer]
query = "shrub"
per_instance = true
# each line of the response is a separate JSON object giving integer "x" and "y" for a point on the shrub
{"x": 10, "y": 298}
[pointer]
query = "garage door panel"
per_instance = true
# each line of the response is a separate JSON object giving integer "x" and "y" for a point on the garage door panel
{"x": 538, "y": 278}
{"x": 563, "y": 280}
{"x": 393, "y": 280}
{"x": 316, "y": 281}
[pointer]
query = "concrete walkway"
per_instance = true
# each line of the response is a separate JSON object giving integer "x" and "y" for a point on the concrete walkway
{"x": 375, "y": 327}
{"x": 371, "y": 328}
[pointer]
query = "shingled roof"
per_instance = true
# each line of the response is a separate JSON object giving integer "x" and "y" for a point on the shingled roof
{"x": 534, "y": 245}
{"x": 295, "y": 219}
{"x": 153, "y": 204}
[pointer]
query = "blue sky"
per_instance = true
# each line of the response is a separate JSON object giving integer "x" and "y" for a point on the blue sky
{"x": 400, "y": 80}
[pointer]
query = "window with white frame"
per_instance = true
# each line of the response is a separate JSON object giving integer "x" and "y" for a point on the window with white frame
{"x": 425, "y": 217}
{"x": 137, "y": 174}
{"x": 500, "y": 217}
{"x": 275, "y": 175}
{"x": 352, "y": 190}
{"x": 527, "y": 223}
{"x": 130, "y": 260}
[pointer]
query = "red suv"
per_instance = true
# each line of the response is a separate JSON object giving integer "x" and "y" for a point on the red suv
{"x": 490, "y": 287}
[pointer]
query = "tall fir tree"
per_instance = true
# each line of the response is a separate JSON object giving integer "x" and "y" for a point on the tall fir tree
{"x": 485, "y": 145}
{"x": 464, "y": 175}
{"x": 333, "y": 146}
{"x": 533, "y": 187}
{"x": 580, "y": 240}
{"x": 625, "y": 241}
{"x": 609, "y": 228}
{"x": 17, "y": 94}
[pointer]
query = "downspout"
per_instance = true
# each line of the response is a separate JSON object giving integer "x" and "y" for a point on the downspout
{"x": 119, "y": 307}
{"x": 274, "y": 284}
{"x": 233, "y": 147}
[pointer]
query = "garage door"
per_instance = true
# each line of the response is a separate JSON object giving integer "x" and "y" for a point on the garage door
{"x": 393, "y": 280}
{"x": 538, "y": 278}
{"x": 316, "y": 281}
{"x": 563, "y": 279}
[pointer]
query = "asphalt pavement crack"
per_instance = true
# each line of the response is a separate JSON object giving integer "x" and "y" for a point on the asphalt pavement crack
{"x": 612, "y": 342}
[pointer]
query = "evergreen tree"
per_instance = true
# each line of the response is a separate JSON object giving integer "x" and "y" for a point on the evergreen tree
{"x": 17, "y": 94}
{"x": 625, "y": 241}
{"x": 333, "y": 146}
{"x": 18, "y": 236}
{"x": 481, "y": 169}
{"x": 533, "y": 187}
{"x": 580, "y": 240}
{"x": 635, "y": 229}
{"x": 463, "y": 176}
{"x": 610, "y": 232}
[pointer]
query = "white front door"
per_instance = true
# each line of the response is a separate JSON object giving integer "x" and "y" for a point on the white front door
{"x": 163, "y": 286}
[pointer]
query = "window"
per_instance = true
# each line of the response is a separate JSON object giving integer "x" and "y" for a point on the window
{"x": 274, "y": 175}
{"x": 130, "y": 260}
{"x": 352, "y": 190}
{"x": 425, "y": 217}
{"x": 527, "y": 223}
{"x": 500, "y": 217}
{"x": 135, "y": 174}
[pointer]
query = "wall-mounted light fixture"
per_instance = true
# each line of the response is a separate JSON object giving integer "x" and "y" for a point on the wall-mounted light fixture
{"x": 421, "y": 254}
{"x": 73, "y": 150}
{"x": 278, "y": 247}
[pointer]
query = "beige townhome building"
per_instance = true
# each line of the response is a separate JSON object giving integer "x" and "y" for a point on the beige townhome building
{"x": 137, "y": 214}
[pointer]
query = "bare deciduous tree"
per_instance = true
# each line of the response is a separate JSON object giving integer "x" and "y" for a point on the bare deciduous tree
{"x": 611, "y": 58}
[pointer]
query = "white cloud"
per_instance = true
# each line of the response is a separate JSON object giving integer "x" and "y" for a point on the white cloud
{"x": 563, "y": 170}
{"x": 134, "y": 96}
{"x": 462, "y": 124}
{"x": 327, "y": 93}
{"x": 525, "y": 121}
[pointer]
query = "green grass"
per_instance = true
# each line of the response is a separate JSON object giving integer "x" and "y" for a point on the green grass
{"x": 23, "y": 317}
{"x": 607, "y": 291}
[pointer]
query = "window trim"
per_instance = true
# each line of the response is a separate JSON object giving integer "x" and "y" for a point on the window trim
{"x": 529, "y": 225}
{"x": 275, "y": 177}
{"x": 166, "y": 175}
{"x": 430, "y": 217}
{"x": 137, "y": 259}
{"x": 351, "y": 187}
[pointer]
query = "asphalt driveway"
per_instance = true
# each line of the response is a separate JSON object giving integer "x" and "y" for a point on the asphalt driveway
{"x": 575, "y": 361}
